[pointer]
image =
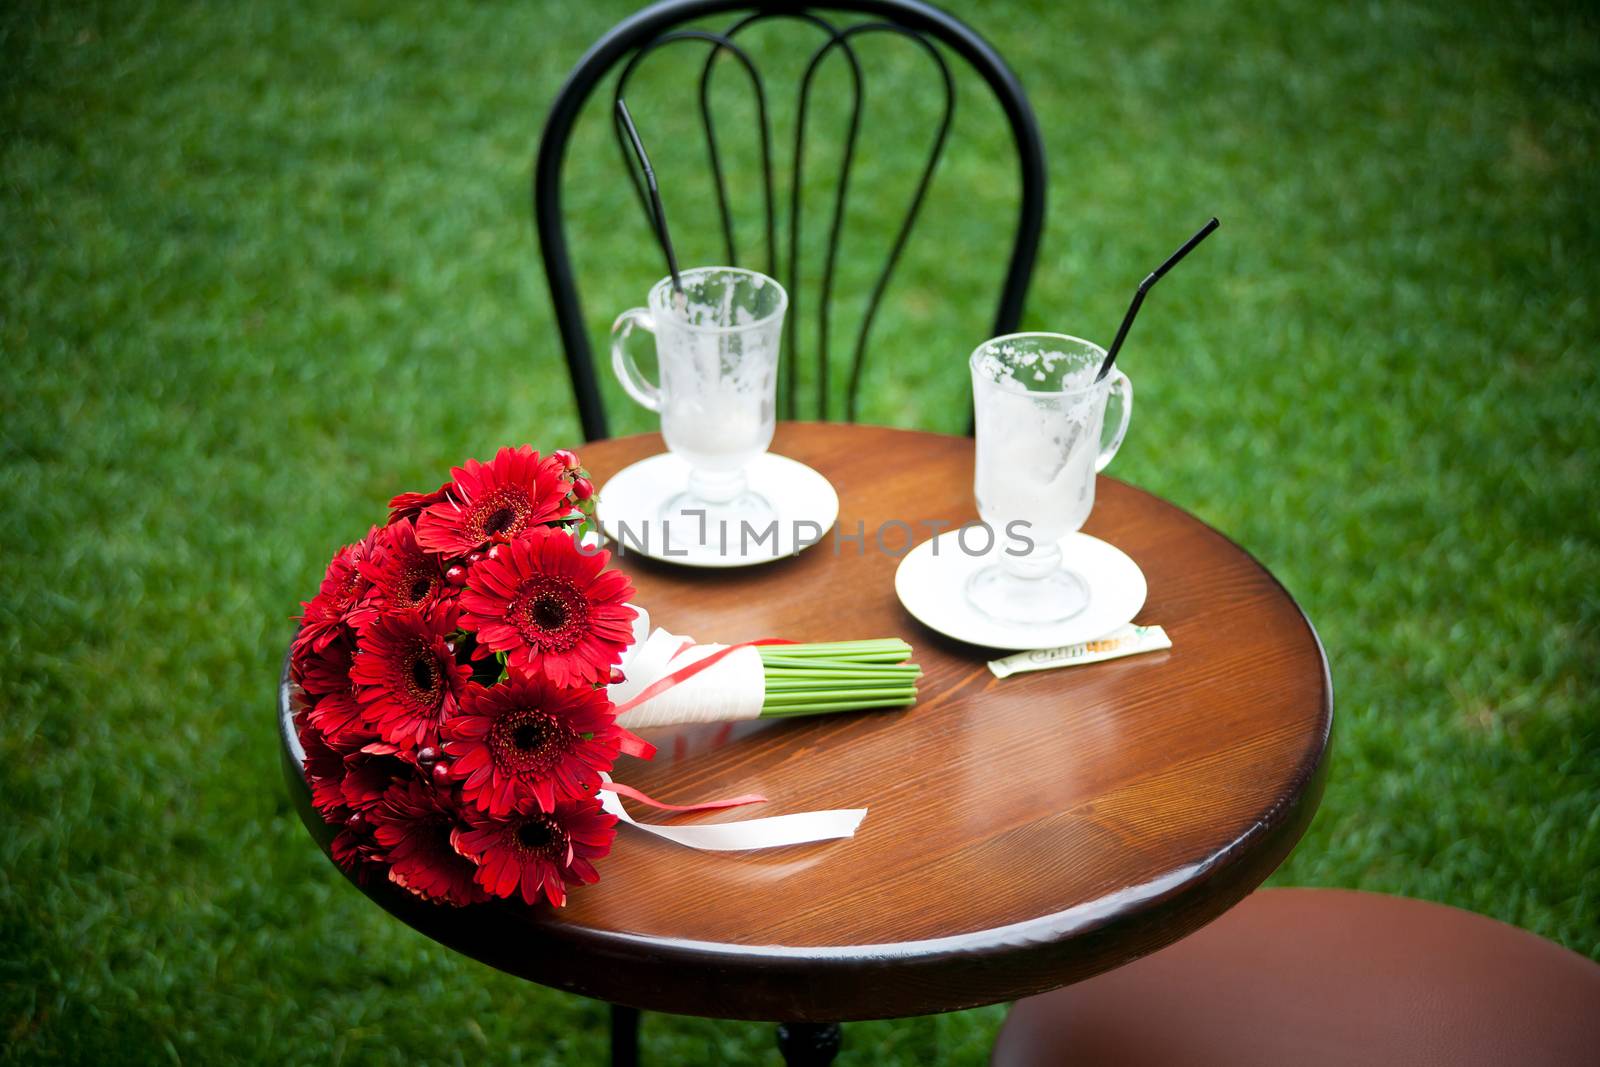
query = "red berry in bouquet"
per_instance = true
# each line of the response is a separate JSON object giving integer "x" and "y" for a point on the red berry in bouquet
{"x": 413, "y": 825}
{"x": 495, "y": 501}
{"x": 407, "y": 678}
{"x": 534, "y": 852}
{"x": 527, "y": 743}
{"x": 553, "y": 609}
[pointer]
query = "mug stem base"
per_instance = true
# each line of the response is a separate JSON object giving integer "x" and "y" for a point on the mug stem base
{"x": 1008, "y": 597}
{"x": 690, "y": 522}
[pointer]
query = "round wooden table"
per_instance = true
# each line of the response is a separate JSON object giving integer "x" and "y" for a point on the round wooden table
{"x": 1023, "y": 833}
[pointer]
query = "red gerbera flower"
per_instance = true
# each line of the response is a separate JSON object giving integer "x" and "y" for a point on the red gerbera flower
{"x": 407, "y": 678}
{"x": 414, "y": 824}
{"x": 494, "y": 501}
{"x": 328, "y": 692}
{"x": 537, "y": 851}
{"x": 527, "y": 742}
{"x": 410, "y": 505}
{"x": 356, "y": 850}
{"x": 324, "y": 770}
{"x": 339, "y": 602}
{"x": 369, "y": 774}
{"x": 404, "y": 576}
{"x": 552, "y": 608}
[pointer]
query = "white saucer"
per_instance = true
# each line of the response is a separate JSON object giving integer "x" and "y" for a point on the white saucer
{"x": 933, "y": 589}
{"x": 631, "y": 503}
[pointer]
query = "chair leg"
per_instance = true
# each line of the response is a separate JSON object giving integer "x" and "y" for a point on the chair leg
{"x": 624, "y": 1036}
{"x": 809, "y": 1044}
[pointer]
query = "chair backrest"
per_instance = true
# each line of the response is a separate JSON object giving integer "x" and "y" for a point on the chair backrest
{"x": 660, "y": 24}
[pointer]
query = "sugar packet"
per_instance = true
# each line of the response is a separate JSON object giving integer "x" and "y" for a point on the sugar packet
{"x": 1124, "y": 641}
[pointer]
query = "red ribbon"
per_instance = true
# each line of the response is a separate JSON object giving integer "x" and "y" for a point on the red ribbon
{"x": 709, "y": 805}
{"x": 634, "y": 745}
{"x": 683, "y": 674}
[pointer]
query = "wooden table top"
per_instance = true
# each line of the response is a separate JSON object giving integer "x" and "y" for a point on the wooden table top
{"x": 1023, "y": 833}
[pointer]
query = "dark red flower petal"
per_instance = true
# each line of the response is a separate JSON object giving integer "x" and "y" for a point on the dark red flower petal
{"x": 357, "y": 852}
{"x": 552, "y": 609}
{"x": 537, "y": 853}
{"x": 414, "y": 825}
{"x": 324, "y": 771}
{"x": 340, "y": 603}
{"x": 329, "y": 696}
{"x": 403, "y": 576}
{"x": 368, "y": 775}
{"x": 494, "y": 502}
{"x": 410, "y": 505}
{"x": 526, "y": 743}
{"x": 407, "y": 678}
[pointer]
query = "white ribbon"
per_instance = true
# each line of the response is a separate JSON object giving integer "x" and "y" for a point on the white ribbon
{"x": 731, "y": 689}
{"x": 773, "y": 831}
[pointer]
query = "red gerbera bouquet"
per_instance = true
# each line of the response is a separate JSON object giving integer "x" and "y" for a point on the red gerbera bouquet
{"x": 451, "y": 674}
{"x": 460, "y": 703}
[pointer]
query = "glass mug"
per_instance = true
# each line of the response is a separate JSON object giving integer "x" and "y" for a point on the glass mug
{"x": 717, "y": 350}
{"x": 1042, "y": 436}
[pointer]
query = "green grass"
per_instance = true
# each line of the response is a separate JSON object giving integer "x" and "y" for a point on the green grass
{"x": 262, "y": 265}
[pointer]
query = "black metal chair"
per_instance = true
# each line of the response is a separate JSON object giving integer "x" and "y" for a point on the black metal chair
{"x": 665, "y": 23}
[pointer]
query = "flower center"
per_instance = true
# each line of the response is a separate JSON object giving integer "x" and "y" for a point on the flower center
{"x": 530, "y": 737}
{"x": 543, "y": 837}
{"x": 550, "y": 613}
{"x": 424, "y": 676}
{"x": 347, "y": 593}
{"x": 415, "y": 585}
{"x": 528, "y": 741}
{"x": 500, "y": 514}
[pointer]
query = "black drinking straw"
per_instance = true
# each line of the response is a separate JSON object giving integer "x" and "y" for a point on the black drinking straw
{"x": 658, "y": 214}
{"x": 1144, "y": 287}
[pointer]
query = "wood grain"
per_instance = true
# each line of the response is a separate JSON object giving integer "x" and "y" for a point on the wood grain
{"x": 1022, "y": 834}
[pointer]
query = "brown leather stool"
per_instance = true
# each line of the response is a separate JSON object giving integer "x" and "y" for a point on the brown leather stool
{"x": 1325, "y": 976}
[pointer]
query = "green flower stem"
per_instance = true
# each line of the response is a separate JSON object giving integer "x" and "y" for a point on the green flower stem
{"x": 804, "y": 685}
{"x": 885, "y": 655}
{"x": 836, "y": 661}
{"x": 824, "y": 647}
{"x": 831, "y": 676}
{"x": 824, "y": 709}
{"x": 889, "y": 651}
{"x": 791, "y": 674}
{"x": 829, "y": 696}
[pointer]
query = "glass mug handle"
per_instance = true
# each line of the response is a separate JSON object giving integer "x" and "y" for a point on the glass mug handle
{"x": 1120, "y": 393}
{"x": 639, "y": 387}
